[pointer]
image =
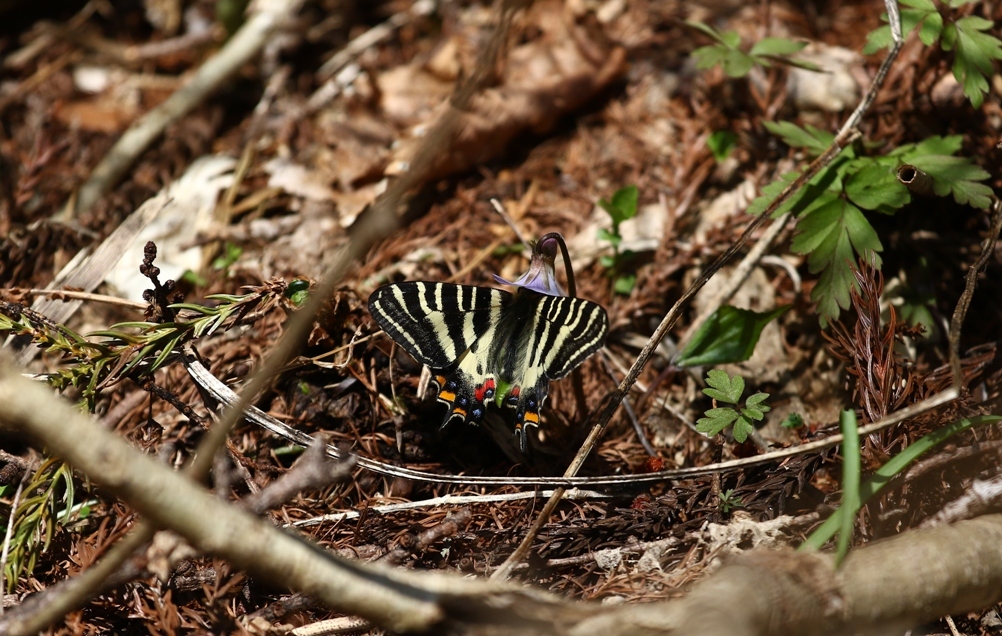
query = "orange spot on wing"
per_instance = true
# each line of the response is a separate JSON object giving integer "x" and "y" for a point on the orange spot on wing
{"x": 448, "y": 396}
{"x": 532, "y": 417}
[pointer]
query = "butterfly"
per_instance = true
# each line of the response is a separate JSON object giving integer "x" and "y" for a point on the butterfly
{"x": 489, "y": 346}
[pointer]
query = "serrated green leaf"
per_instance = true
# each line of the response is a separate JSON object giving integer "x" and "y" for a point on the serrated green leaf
{"x": 931, "y": 28}
{"x": 723, "y": 387}
{"x": 921, "y": 13}
{"x": 935, "y": 145}
{"x": 829, "y": 236}
{"x": 729, "y": 335}
{"x": 957, "y": 176}
{"x": 807, "y": 198}
{"x": 716, "y": 420}
{"x": 776, "y": 46}
{"x": 876, "y": 187}
{"x": 974, "y": 59}
{"x": 756, "y": 401}
{"x": 815, "y": 140}
{"x": 879, "y": 38}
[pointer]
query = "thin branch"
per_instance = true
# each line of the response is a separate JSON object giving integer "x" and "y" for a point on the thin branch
{"x": 957, "y": 321}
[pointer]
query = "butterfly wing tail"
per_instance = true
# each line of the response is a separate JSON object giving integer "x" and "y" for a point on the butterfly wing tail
{"x": 463, "y": 400}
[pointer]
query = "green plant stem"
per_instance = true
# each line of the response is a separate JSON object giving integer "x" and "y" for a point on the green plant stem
{"x": 851, "y": 468}
{"x": 885, "y": 473}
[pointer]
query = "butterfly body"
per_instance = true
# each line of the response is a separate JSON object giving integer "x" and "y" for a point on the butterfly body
{"x": 488, "y": 345}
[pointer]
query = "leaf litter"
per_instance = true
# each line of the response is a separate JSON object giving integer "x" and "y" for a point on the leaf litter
{"x": 585, "y": 102}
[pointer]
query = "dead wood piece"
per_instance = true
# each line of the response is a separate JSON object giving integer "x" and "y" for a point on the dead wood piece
{"x": 312, "y": 471}
{"x": 453, "y": 523}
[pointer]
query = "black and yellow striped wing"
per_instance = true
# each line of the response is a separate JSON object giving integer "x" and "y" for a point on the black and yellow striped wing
{"x": 436, "y": 322}
{"x": 490, "y": 346}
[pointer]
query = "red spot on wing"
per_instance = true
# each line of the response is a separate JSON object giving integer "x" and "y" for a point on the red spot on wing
{"x": 481, "y": 392}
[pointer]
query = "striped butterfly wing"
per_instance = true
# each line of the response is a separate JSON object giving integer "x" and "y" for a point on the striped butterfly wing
{"x": 568, "y": 332}
{"x": 565, "y": 332}
{"x": 490, "y": 345}
{"x": 436, "y": 322}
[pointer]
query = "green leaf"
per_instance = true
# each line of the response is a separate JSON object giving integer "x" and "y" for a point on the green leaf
{"x": 623, "y": 205}
{"x": 922, "y": 13}
{"x": 931, "y": 28}
{"x": 876, "y": 187}
{"x": 735, "y": 63}
{"x": 724, "y": 388}
{"x": 829, "y": 235}
{"x": 716, "y": 420}
{"x": 729, "y": 335}
{"x": 957, "y": 176}
{"x": 742, "y": 429}
{"x": 757, "y": 401}
{"x": 935, "y": 145}
{"x": 624, "y": 284}
{"x": 815, "y": 140}
{"x": 926, "y": 5}
{"x": 230, "y": 256}
{"x": 976, "y": 52}
{"x": 721, "y": 143}
{"x": 806, "y": 199}
{"x": 776, "y": 46}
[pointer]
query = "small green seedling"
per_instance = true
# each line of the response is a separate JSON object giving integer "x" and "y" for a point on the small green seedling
{"x": 793, "y": 420}
{"x": 728, "y": 501}
{"x": 622, "y": 207}
{"x": 728, "y": 390}
{"x": 721, "y": 143}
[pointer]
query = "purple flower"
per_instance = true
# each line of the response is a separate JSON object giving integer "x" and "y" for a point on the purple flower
{"x": 541, "y": 277}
